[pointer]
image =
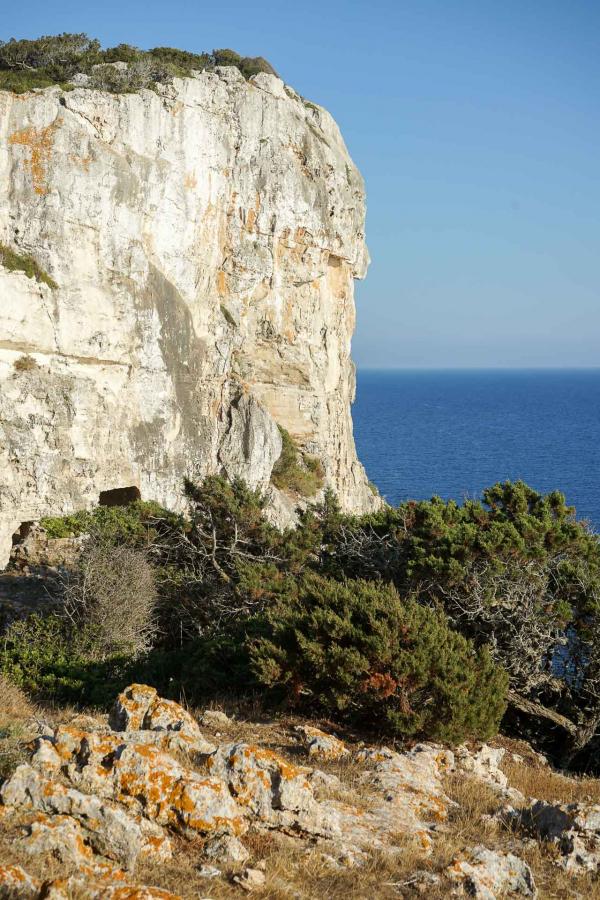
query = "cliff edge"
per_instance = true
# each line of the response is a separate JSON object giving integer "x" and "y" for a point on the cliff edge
{"x": 195, "y": 248}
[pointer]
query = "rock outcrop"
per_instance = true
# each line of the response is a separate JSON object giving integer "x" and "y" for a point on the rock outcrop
{"x": 200, "y": 242}
{"x": 105, "y": 801}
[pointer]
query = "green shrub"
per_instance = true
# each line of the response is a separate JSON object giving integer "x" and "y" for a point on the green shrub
{"x": 38, "y": 655}
{"x": 135, "y": 524}
{"x": 55, "y": 59}
{"x": 17, "y": 262}
{"x": 355, "y": 650}
{"x": 296, "y": 472}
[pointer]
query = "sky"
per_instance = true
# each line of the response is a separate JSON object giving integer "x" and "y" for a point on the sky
{"x": 476, "y": 126}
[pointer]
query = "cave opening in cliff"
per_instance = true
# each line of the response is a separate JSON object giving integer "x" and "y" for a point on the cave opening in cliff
{"x": 119, "y": 496}
{"x": 21, "y": 533}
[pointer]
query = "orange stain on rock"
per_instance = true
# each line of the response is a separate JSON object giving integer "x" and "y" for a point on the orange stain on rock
{"x": 39, "y": 142}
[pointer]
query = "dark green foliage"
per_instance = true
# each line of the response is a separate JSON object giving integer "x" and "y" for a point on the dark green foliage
{"x": 55, "y": 59}
{"x": 354, "y": 649}
{"x": 136, "y": 524}
{"x": 39, "y": 655}
{"x": 296, "y": 472}
{"x": 18, "y": 262}
{"x": 248, "y": 65}
{"x": 515, "y": 570}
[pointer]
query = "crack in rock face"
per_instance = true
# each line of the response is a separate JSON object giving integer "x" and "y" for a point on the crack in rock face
{"x": 200, "y": 244}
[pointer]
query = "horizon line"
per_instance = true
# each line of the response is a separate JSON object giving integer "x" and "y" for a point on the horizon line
{"x": 375, "y": 368}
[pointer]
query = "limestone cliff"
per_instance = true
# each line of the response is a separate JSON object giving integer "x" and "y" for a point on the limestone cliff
{"x": 203, "y": 239}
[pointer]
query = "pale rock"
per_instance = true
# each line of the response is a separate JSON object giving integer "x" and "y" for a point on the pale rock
{"x": 209, "y": 872}
{"x": 250, "y": 879}
{"x": 321, "y": 745}
{"x": 325, "y": 780}
{"x": 215, "y": 718}
{"x": 411, "y": 801}
{"x": 489, "y": 874}
{"x": 139, "y": 708}
{"x": 17, "y": 884}
{"x": 226, "y": 850}
{"x": 153, "y": 784}
{"x": 484, "y": 765}
{"x": 86, "y": 888}
{"x": 204, "y": 238}
{"x": 272, "y": 789}
{"x": 574, "y": 829}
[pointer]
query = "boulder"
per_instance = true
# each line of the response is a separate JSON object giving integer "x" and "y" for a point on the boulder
{"x": 110, "y": 830}
{"x": 226, "y": 850}
{"x": 488, "y": 874}
{"x": 320, "y": 745}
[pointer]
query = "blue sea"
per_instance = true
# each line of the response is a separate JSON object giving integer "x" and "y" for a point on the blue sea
{"x": 455, "y": 432}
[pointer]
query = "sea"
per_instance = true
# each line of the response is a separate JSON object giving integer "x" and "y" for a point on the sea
{"x": 455, "y": 432}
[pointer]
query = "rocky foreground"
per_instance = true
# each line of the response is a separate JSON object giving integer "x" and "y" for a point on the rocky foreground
{"x": 154, "y": 804}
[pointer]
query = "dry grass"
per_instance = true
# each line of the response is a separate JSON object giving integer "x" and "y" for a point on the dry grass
{"x": 14, "y": 704}
{"x": 534, "y": 779}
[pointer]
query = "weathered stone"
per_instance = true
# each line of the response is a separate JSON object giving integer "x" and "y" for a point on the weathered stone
{"x": 226, "y": 850}
{"x": 214, "y": 718}
{"x": 574, "y": 829}
{"x": 209, "y": 872}
{"x": 250, "y": 879}
{"x": 203, "y": 238}
{"x": 16, "y": 884}
{"x": 268, "y": 787}
{"x": 325, "y": 780}
{"x": 144, "y": 717}
{"x": 321, "y": 745}
{"x": 110, "y": 830}
{"x": 484, "y": 765}
{"x": 488, "y": 874}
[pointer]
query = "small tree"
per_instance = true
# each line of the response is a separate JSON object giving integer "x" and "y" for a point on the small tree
{"x": 355, "y": 650}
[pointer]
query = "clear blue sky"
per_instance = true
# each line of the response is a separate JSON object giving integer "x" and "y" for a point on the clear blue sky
{"x": 477, "y": 127}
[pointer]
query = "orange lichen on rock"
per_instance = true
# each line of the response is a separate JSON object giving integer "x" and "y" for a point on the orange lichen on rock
{"x": 39, "y": 142}
{"x": 15, "y": 882}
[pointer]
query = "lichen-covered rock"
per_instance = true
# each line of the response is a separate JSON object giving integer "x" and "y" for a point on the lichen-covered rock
{"x": 110, "y": 830}
{"x": 488, "y": 874}
{"x": 271, "y": 789}
{"x": 203, "y": 238}
{"x": 139, "y": 708}
{"x": 321, "y": 745}
{"x": 16, "y": 884}
{"x": 153, "y": 784}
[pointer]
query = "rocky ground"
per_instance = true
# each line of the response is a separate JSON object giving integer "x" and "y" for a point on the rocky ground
{"x": 156, "y": 802}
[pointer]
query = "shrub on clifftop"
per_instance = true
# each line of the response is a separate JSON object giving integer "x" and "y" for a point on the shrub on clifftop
{"x": 354, "y": 649}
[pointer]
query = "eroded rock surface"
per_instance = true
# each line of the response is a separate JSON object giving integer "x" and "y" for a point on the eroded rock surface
{"x": 203, "y": 239}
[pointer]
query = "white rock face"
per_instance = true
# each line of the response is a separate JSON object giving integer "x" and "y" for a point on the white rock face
{"x": 204, "y": 240}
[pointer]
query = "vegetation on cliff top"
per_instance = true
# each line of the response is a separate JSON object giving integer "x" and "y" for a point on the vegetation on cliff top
{"x": 56, "y": 59}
